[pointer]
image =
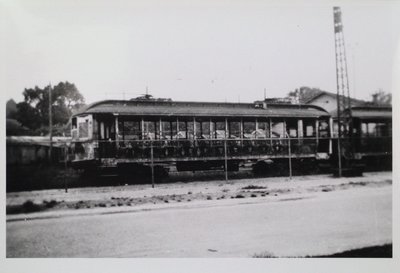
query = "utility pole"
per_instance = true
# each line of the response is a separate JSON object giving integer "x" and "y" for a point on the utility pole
{"x": 50, "y": 126}
{"x": 342, "y": 86}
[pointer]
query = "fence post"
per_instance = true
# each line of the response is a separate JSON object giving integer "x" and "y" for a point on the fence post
{"x": 152, "y": 163}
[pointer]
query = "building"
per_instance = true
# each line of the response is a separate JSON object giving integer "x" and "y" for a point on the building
{"x": 26, "y": 150}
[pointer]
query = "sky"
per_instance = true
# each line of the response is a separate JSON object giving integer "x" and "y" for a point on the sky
{"x": 195, "y": 50}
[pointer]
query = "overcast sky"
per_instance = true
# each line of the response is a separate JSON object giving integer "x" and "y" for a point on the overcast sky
{"x": 202, "y": 51}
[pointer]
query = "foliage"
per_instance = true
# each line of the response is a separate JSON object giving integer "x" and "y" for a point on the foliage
{"x": 33, "y": 112}
{"x": 27, "y": 115}
{"x": 11, "y": 108}
{"x": 380, "y": 97}
{"x": 304, "y": 93}
{"x": 14, "y": 128}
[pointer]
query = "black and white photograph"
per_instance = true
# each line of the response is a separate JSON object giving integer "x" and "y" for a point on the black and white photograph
{"x": 200, "y": 129}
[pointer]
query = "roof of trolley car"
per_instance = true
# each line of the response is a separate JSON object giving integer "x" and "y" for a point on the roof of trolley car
{"x": 372, "y": 112}
{"x": 201, "y": 109}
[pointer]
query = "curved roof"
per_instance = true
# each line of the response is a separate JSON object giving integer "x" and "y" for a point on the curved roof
{"x": 200, "y": 109}
{"x": 372, "y": 112}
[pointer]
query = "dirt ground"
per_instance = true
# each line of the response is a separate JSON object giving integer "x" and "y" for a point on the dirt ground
{"x": 179, "y": 192}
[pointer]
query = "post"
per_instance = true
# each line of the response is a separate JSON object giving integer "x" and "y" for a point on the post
{"x": 116, "y": 133}
{"x": 143, "y": 135}
{"x": 317, "y": 132}
{"x": 177, "y": 129}
{"x": 226, "y": 129}
{"x": 255, "y": 135}
{"x": 241, "y": 134}
{"x": 160, "y": 130}
{"x": 290, "y": 157}
{"x": 50, "y": 127}
{"x": 339, "y": 152}
{"x": 66, "y": 168}
{"x": 194, "y": 128}
{"x": 226, "y": 161}
{"x": 152, "y": 163}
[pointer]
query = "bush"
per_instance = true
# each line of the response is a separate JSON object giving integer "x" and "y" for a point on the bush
{"x": 265, "y": 254}
{"x": 50, "y": 204}
{"x": 29, "y": 206}
{"x": 253, "y": 187}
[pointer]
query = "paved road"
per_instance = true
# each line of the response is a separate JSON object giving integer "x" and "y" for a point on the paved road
{"x": 321, "y": 223}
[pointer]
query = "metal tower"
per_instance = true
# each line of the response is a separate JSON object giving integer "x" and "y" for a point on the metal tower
{"x": 342, "y": 85}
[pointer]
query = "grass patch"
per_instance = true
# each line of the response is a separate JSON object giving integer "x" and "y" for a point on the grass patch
{"x": 358, "y": 183}
{"x": 27, "y": 207}
{"x": 50, "y": 204}
{"x": 265, "y": 254}
{"x": 253, "y": 187}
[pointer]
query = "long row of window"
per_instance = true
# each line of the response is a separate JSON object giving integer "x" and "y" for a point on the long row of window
{"x": 136, "y": 130}
{"x": 376, "y": 129}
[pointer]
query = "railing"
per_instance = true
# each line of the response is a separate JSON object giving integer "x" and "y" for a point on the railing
{"x": 207, "y": 148}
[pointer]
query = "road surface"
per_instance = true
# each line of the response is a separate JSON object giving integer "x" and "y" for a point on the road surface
{"x": 314, "y": 224}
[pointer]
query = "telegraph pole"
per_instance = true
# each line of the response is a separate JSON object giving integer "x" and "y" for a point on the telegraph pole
{"x": 50, "y": 126}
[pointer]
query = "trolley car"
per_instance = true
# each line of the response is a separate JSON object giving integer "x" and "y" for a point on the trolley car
{"x": 131, "y": 136}
{"x": 371, "y": 139}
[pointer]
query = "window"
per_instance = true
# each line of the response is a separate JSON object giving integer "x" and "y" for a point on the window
{"x": 364, "y": 129}
{"x": 83, "y": 129}
{"x": 130, "y": 130}
{"x": 190, "y": 130}
{"x": 166, "y": 130}
{"x": 381, "y": 129}
{"x": 219, "y": 130}
{"x": 150, "y": 131}
{"x": 205, "y": 127}
{"x": 291, "y": 128}
{"x": 263, "y": 128}
{"x": 373, "y": 129}
{"x": 309, "y": 128}
{"x": 277, "y": 129}
{"x": 323, "y": 128}
{"x": 249, "y": 129}
{"x": 182, "y": 126}
{"x": 234, "y": 129}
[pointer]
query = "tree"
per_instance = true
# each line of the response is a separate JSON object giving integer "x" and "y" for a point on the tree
{"x": 304, "y": 93}
{"x": 27, "y": 115}
{"x": 33, "y": 112}
{"x": 11, "y": 108}
{"x": 380, "y": 97}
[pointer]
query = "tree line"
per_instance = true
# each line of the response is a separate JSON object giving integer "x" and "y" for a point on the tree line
{"x": 31, "y": 116}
